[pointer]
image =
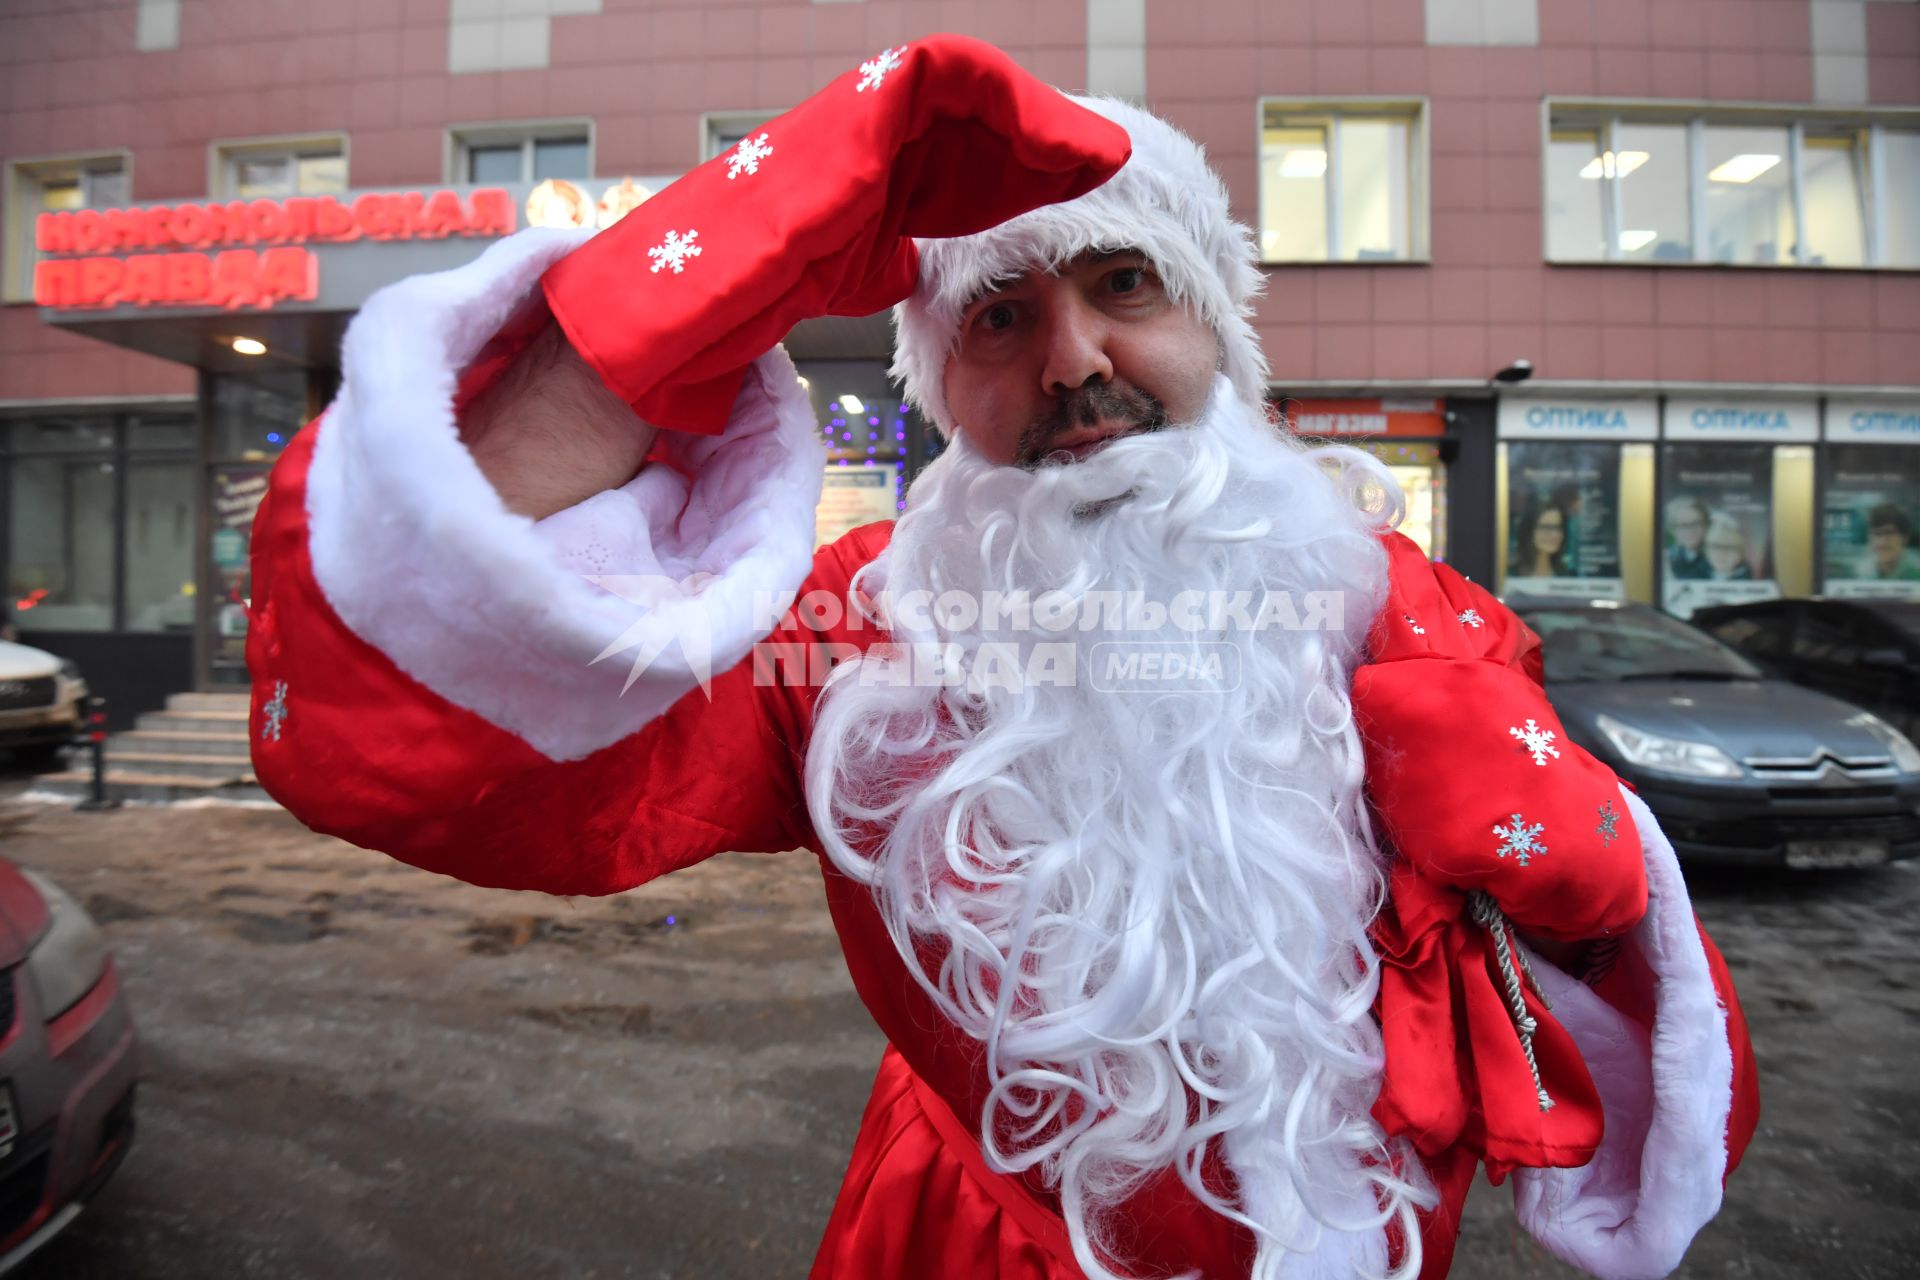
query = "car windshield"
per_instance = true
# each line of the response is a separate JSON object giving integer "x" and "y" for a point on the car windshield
{"x": 1631, "y": 644}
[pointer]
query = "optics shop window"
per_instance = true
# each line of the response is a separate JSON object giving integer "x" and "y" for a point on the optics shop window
{"x": 53, "y": 186}
{"x": 522, "y": 154}
{"x": 277, "y": 168}
{"x": 1342, "y": 182}
{"x": 1734, "y": 188}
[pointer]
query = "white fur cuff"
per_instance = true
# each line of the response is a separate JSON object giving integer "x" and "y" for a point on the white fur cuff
{"x": 1631, "y": 1212}
{"x": 417, "y": 555}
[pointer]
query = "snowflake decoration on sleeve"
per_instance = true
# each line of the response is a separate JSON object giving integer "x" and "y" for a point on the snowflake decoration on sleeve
{"x": 1472, "y": 618}
{"x": 1415, "y": 624}
{"x": 674, "y": 253}
{"x": 874, "y": 70}
{"x": 1609, "y": 828}
{"x": 1536, "y": 740}
{"x": 1520, "y": 840}
{"x": 274, "y": 714}
{"x": 746, "y": 157}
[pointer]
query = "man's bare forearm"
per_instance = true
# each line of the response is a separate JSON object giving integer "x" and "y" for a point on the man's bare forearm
{"x": 549, "y": 434}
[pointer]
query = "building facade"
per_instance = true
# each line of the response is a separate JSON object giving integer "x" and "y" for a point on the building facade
{"x": 1626, "y": 292}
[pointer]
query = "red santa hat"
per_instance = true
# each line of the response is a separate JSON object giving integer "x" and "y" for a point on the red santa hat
{"x": 1165, "y": 202}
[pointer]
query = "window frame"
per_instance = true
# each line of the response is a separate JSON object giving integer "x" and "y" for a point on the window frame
{"x": 1604, "y": 116}
{"x": 225, "y": 154}
{"x": 1417, "y": 112}
{"x": 716, "y": 124}
{"x": 462, "y": 139}
{"x": 21, "y": 185}
{"x": 121, "y": 453}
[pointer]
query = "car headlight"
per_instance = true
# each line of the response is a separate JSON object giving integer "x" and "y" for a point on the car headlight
{"x": 69, "y": 957}
{"x": 1668, "y": 755}
{"x": 70, "y": 684}
{"x": 1905, "y": 755}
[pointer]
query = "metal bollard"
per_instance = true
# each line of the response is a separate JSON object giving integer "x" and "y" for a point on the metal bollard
{"x": 97, "y": 743}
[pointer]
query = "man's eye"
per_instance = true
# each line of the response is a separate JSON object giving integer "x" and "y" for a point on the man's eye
{"x": 1129, "y": 279}
{"x": 997, "y": 316}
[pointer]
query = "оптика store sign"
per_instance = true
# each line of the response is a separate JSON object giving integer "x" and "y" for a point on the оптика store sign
{"x": 1525, "y": 417}
{"x": 1874, "y": 421}
{"x": 1755, "y": 421}
{"x": 211, "y": 254}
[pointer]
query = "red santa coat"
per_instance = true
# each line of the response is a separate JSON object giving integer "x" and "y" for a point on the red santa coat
{"x": 425, "y": 684}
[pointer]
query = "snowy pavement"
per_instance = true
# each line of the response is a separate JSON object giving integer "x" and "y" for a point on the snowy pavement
{"x": 351, "y": 1068}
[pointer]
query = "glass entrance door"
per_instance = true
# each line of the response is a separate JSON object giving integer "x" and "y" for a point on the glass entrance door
{"x": 253, "y": 419}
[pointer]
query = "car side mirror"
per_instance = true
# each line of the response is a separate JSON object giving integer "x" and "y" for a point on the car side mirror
{"x": 1885, "y": 659}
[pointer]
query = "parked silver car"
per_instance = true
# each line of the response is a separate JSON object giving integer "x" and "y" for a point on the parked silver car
{"x": 42, "y": 703}
{"x": 1738, "y": 766}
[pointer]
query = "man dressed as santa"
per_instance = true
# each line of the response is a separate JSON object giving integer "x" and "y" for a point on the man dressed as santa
{"x": 1241, "y": 973}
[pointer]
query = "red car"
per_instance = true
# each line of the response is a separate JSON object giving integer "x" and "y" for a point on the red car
{"x": 66, "y": 1062}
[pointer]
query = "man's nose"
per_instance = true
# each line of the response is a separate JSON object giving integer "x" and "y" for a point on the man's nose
{"x": 1075, "y": 348}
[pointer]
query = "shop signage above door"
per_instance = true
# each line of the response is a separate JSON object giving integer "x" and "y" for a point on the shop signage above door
{"x": 1754, "y": 421}
{"x": 1874, "y": 421}
{"x": 241, "y": 253}
{"x": 1543, "y": 418}
{"x": 1332, "y": 419}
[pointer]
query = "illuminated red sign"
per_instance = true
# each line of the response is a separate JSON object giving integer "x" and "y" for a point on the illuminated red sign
{"x": 237, "y": 276}
{"x": 1331, "y": 419}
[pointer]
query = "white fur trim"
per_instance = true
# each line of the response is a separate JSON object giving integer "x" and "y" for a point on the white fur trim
{"x": 1165, "y": 202}
{"x": 415, "y": 552}
{"x": 1631, "y": 1212}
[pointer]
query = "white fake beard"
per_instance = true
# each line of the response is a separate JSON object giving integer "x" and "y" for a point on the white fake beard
{"x": 1150, "y": 908}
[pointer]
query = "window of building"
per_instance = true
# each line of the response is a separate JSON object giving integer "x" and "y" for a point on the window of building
{"x": 1749, "y": 195}
{"x": 100, "y": 528}
{"x": 1653, "y": 212}
{"x": 1831, "y": 177}
{"x": 34, "y": 187}
{"x": 722, "y": 131}
{"x": 1738, "y": 187}
{"x": 275, "y": 168}
{"x": 1342, "y": 182}
{"x": 1896, "y": 170}
{"x": 520, "y": 153}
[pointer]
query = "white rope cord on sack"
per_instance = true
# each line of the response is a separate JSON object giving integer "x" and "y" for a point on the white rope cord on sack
{"x": 1513, "y": 966}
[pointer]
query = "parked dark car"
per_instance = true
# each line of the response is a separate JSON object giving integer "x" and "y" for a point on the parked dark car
{"x": 1866, "y": 652}
{"x": 67, "y": 1062}
{"x": 1738, "y": 766}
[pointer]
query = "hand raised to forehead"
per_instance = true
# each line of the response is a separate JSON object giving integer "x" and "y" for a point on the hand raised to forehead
{"x": 814, "y": 215}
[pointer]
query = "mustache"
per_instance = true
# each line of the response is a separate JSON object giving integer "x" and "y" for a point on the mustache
{"x": 1084, "y": 406}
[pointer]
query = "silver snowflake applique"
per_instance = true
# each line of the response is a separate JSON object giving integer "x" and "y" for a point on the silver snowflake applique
{"x": 1520, "y": 840}
{"x": 275, "y": 713}
{"x": 1415, "y": 624}
{"x": 1472, "y": 618}
{"x": 675, "y": 251}
{"x": 1536, "y": 740}
{"x": 874, "y": 70}
{"x": 1609, "y": 828}
{"x": 747, "y": 156}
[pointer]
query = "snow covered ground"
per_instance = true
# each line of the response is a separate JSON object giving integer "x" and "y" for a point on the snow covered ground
{"x": 351, "y": 1068}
